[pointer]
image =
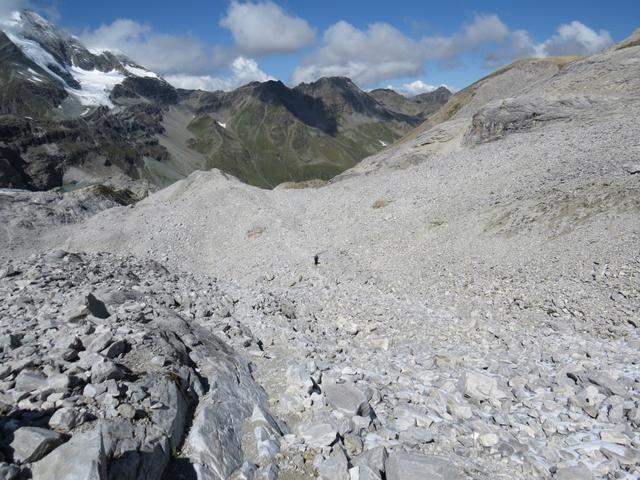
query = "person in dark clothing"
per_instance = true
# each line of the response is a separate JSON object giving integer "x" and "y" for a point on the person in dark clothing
{"x": 315, "y": 259}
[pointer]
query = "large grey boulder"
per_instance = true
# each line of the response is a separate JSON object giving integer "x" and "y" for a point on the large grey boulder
{"x": 104, "y": 370}
{"x": 362, "y": 472}
{"x": 170, "y": 410}
{"x": 318, "y": 435}
{"x": 374, "y": 459}
{"x": 607, "y": 385}
{"x": 81, "y": 458}
{"x": 28, "y": 381}
{"x": 299, "y": 378}
{"x": 346, "y": 398}
{"x": 30, "y": 444}
{"x": 480, "y": 387}
{"x": 414, "y": 466}
{"x": 66, "y": 418}
{"x": 335, "y": 467}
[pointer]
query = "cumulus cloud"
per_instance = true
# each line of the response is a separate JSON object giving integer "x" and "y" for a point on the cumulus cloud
{"x": 483, "y": 30}
{"x": 263, "y": 28}
{"x": 417, "y": 87}
{"x": 243, "y": 71}
{"x": 8, "y": 6}
{"x": 573, "y": 38}
{"x": 382, "y": 52}
{"x": 159, "y": 52}
{"x": 367, "y": 56}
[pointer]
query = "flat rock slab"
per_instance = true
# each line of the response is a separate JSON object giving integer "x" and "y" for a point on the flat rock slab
{"x": 480, "y": 387}
{"x": 29, "y": 381}
{"x": 30, "y": 444}
{"x": 346, "y": 398}
{"x": 81, "y": 458}
{"x": 411, "y": 466}
{"x": 318, "y": 435}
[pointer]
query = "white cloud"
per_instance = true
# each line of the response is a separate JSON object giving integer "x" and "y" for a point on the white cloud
{"x": 383, "y": 52}
{"x": 366, "y": 56}
{"x": 159, "y": 52}
{"x": 483, "y": 30}
{"x": 264, "y": 28}
{"x": 518, "y": 45}
{"x": 575, "y": 38}
{"x": 417, "y": 87}
{"x": 243, "y": 71}
{"x": 8, "y": 6}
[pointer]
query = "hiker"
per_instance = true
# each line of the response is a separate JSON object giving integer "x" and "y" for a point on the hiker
{"x": 315, "y": 259}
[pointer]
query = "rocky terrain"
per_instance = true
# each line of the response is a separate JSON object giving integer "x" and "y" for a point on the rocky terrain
{"x": 111, "y": 362}
{"x": 474, "y": 312}
{"x": 72, "y": 117}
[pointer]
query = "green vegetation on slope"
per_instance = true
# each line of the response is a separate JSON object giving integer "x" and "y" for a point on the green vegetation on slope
{"x": 264, "y": 145}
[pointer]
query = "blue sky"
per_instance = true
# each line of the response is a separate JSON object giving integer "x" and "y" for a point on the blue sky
{"x": 408, "y": 44}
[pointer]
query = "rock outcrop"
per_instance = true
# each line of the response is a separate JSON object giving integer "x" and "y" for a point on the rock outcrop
{"x": 109, "y": 372}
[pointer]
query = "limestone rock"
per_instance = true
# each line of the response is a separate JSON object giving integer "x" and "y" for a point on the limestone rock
{"x": 30, "y": 444}
{"x": 412, "y": 466}
{"x": 88, "y": 460}
{"x": 66, "y": 419}
{"x": 335, "y": 467}
{"x": 346, "y": 398}
{"x": 318, "y": 435}
{"x": 480, "y": 387}
{"x": 577, "y": 472}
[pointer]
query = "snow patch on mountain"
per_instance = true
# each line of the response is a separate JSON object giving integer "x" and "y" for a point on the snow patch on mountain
{"x": 96, "y": 86}
{"x": 140, "y": 72}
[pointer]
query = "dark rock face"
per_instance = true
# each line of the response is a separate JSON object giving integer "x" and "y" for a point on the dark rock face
{"x": 12, "y": 172}
{"x": 35, "y": 154}
{"x": 18, "y": 95}
{"x": 153, "y": 89}
{"x": 29, "y": 160}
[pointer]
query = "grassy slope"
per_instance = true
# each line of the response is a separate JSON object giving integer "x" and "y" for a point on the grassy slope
{"x": 264, "y": 145}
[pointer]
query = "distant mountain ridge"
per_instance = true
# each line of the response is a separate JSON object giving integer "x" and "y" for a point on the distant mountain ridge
{"x": 70, "y": 116}
{"x": 421, "y": 105}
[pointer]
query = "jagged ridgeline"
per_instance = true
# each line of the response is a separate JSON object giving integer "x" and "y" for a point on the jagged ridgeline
{"x": 71, "y": 117}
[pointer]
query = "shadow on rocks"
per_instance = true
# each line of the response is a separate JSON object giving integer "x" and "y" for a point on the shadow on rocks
{"x": 179, "y": 469}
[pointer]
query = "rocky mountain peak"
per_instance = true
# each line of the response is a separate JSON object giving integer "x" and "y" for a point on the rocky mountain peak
{"x": 340, "y": 94}
{"x": 53, "y": 57}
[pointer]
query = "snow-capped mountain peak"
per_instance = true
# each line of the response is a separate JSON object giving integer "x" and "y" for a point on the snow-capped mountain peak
{"x": 56, "y": 56}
